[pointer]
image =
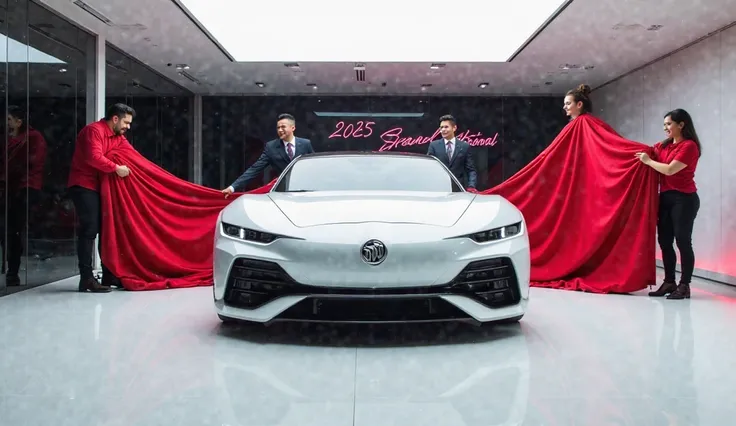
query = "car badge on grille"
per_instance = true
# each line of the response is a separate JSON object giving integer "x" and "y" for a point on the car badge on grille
{"x": 373, "y": 252}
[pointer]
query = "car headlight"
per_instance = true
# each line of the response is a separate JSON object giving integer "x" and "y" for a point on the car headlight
{"x": 248, "y": 234}
{"x": 496, "y": 234}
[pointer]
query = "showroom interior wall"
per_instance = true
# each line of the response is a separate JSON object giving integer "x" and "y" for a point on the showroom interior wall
{"x": 508, "y": 131}
{"x": 52, "y": 71}
{"x": 701, "y": 78}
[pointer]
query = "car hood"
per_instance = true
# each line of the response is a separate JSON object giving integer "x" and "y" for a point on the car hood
{"x": 327, "y": 208}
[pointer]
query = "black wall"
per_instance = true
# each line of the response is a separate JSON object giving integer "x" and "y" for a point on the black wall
{"x": 507, "y": 132}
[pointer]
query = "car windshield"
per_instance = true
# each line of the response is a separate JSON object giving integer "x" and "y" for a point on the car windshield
{"x": 367, "y": 173}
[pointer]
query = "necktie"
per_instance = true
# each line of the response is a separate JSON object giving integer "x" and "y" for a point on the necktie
{"x": 449, "y": 150}
{"x": 290, "y": 151}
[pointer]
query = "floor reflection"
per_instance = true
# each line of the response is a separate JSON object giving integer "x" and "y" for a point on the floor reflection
{"x": 164, "y": 358}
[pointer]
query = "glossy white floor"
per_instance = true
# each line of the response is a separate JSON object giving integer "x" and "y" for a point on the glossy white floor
{"x": 163, "y": 358}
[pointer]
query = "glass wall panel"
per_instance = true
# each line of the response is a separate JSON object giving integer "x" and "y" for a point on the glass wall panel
{"x": 43, "y": 63}
{"x": 161, "y": 130}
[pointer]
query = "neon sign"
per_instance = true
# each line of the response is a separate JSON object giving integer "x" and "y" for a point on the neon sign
{"x": 393, "y": 138}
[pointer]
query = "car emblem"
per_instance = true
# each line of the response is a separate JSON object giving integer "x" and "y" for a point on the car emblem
{"x": 373, "y": 252}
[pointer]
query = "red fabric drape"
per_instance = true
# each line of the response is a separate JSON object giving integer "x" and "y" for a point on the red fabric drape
{"x": 158, "y": 229}
{"x": 589, "y": 204}
{"x": 591, "y": 210}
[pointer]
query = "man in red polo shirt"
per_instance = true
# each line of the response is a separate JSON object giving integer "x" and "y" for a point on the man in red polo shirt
{"x": 89, "y": 160}
{"x": 22, "y": 178}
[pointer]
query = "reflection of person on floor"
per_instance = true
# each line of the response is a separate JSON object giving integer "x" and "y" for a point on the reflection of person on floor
{"x": 277, "y": 153}
{"x": 25, "y": 156}
{"x": 675, "y": 159}
{"x": 674, "y": 393}
{"x": 93, "y": 142}
{"x": 454, "y": 153}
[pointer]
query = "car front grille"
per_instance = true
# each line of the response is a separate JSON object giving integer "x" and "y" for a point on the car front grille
{"x": 253, "y": 283}
{"x": 373, "y": 310}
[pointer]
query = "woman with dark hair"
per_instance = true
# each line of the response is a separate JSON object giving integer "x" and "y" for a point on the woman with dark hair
{"x": 676, "y": 159}
{"x": 24, "y": 159}
{"x": 577, "y": 102}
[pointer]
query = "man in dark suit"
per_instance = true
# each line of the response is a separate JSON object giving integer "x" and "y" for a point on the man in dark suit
{"x": 277, "y": 153}
{"x": 454, "y": 153}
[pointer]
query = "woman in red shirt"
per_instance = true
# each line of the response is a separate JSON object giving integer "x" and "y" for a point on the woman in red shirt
{"x": 676, "y": 158}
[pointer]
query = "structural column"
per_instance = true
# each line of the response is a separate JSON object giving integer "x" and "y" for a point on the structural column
{"x": 195, "y": 151}
{"x": 95, "y": 99}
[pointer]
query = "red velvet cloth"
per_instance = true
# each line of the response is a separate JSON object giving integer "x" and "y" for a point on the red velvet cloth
{"x": 158, "y": 230}
{"x": 589, "y": 204}
{"x": 591, "y": 210}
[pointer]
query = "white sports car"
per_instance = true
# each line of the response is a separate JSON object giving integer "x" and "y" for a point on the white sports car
{"x": 370, "y": 238}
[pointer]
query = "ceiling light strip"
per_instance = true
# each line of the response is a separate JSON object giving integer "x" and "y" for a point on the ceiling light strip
{"x": 370, "y": 114}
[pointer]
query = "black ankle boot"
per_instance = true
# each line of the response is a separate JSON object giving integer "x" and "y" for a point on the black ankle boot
{"x": 663, "y": 290}
{"x": 682, "y": 292}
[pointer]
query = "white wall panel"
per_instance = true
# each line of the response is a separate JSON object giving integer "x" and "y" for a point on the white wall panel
{"x": 702, "y": 80}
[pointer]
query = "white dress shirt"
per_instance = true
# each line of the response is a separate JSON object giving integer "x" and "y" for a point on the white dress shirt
{"x": 453, "y": 145}
{"x": 292, "y": 142}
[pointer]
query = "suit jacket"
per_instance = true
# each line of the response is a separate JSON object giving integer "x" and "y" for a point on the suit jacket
{"x": 461, "y": 165}
{"x": 274, "y": 155}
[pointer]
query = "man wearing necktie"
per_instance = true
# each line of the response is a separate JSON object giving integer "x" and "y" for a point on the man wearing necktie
{"x": 454, "y": 153}
{"x": 277, "y": 153}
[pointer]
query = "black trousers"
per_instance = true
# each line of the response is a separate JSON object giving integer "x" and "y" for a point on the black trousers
{"x": 677, "y": 212}
{"x": 16, "y": 219}
{"x": 89, "y": 214}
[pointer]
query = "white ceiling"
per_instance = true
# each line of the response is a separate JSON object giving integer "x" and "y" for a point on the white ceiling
{"x": 611, "y": 35}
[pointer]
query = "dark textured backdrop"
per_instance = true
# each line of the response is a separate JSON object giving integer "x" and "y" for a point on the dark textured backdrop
{"x": 235, "y": 128}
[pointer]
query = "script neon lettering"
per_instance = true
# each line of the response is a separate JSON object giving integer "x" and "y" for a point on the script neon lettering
{"x": 394, "y": 138}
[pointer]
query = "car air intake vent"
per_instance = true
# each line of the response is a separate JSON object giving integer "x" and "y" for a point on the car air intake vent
{"x": 251, "y": 283}
{"x": 493, "y": 282}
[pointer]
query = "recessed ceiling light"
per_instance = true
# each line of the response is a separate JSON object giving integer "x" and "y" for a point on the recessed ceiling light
{"x": 62, "y": 70}
{"x": 483, "y": 85}
{"x": 425, "y": 86}
{"x": 261, "y": 85}
{"x": 569, "y": 66}
{"x": 509, "y": 27}
{"x": 437, "y": 66}
{"x": 312, "y": 85}
{"x": 182, "y": 67}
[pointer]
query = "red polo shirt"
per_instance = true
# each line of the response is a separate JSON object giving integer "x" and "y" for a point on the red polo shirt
{"x": 93, "y": 142}
{"x": 685, "y": 152}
